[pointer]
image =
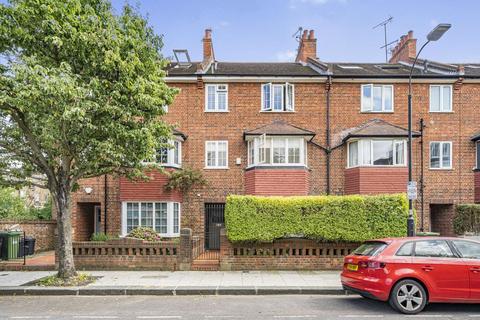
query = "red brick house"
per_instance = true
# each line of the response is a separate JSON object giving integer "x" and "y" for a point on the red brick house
{"x": 302, "y": 128}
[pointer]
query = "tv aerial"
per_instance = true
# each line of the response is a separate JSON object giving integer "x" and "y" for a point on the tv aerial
{"x": 384, "y": 24}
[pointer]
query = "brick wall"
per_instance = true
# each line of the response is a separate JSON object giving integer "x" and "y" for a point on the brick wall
{"x": 152, "y": 189}
{"x": 367, "y": 180}
{"x": 42, "y": 230}
{"x": 276, "y": 182}
{"x": 442, "y": 218}
{"x": 477, "y": 186}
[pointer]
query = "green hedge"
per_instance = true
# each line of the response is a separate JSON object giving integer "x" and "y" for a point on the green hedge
{"x": 326, "y": 218}
{"x": 467, "y": 218}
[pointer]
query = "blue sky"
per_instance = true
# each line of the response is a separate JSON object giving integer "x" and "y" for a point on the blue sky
{"x": 248, "y": 30}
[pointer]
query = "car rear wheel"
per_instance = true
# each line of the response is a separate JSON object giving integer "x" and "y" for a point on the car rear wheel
{"x": 408, "y": 296}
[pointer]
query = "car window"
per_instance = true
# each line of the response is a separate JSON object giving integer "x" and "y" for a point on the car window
{"x": 433, "y": 248}
{"x": 467, "y": 249}
{"x": 405, "y": 250}
{"x": 370, "y": 248}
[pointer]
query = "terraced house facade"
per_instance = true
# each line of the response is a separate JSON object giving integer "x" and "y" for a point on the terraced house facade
{"x": 307, "y": 127}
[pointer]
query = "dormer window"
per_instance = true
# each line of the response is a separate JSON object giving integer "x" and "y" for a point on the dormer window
{"x": 278, "y": 97}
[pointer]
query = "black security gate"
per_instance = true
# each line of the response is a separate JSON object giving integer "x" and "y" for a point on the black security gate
{"x": 214, "y": 221}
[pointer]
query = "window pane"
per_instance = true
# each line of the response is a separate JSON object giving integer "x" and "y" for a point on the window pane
{"x": 279, "y": 150}
{"x": 446, "y": 161}
{"x": 176, "y": 152}
{"x": 251, "y": 152}
{"x": 132, "y": 216}
{"x": 161, "y": 217}
{"x": 353, "y": 154}
{"x": 446, "y": 99}
{"x": 294, "y": 146}
{"x": 399, "y": 152}
{"x": 211, "y": 154}
{"x": 468, "y": 250}
{"x": 435, "y": 98}
{"x": 266, "y": 96}
{"x": 366, "y": 98}
{"x": 377, "y": 98}
{"x": 289, "y": 89}
{"x": 478, "y": 154}
{"x": 147, "y": 214}
{"x": 278, "y": 97}
{"x": 268, "y": 153}
{"x": 211, "y": 98}
{"x": 222, "y": 100}
{"x": 435, "y": 155}
{"x": 176, "y": 218}
{"x": 405, "y": 250}
{"x": 365, "y": 149}
{"x": 222, "y": 154}
{"x": 382, "y": 153}
{"x": 432, "y": 248}
{"x": 162, "y": 155}
{"x": 388, "y": 98}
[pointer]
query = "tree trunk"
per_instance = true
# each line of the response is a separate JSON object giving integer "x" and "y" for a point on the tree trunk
{"x": 66, "y": 266}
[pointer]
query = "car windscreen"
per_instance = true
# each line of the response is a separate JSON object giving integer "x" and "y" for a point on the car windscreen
{"x": 370, "y": 248}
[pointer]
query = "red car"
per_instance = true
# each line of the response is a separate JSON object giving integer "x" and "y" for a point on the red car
{"x": 411, "y": 272}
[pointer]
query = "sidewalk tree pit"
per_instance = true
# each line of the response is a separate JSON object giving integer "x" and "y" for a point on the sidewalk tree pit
{"x": 82, "y": 96}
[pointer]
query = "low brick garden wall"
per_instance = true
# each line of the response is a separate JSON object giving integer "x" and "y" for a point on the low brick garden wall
{"x": 42, "y": 230}
{"x": 285, "y": 254}
{"x": 126, "y": 253}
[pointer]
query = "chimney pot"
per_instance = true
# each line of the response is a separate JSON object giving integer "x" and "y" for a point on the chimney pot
{"x": 208, "y": 33}
{"x": 304, "y": 35}
{"x": 307, "y": 48}
{"x": 311, "y": 35}
{"x": 410, "y": 34}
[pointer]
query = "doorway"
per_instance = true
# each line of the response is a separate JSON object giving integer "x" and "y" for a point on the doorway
{"x": 214, "y": 222}
{"x": 97, "y": 216}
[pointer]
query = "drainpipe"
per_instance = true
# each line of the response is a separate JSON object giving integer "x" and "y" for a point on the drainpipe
{"x": 105, "y": 193}
{"x": 422, "y": 182}
{"x": 327, "y": 132}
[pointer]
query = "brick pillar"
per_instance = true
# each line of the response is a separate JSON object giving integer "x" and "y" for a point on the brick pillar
{"x": 225, "y": 249}
{"x": 185, "y": 250}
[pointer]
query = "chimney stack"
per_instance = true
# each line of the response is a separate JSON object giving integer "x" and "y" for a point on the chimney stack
{"x": 307, "y": 47}
{"x": 208, "y": 55}
{"x": 405, "y": 50}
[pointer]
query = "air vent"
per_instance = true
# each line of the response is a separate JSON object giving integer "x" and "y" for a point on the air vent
{"x": 388, "y": 66}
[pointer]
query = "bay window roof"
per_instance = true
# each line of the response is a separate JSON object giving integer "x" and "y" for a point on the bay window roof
{"x": 180, "y": 134}
{"x": 378, "y": 128}
{"x": 476, "y": 137}
{"x": 279, "y": 128}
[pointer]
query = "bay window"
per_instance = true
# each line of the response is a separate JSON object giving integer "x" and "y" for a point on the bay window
{"x": 274, "y": 151}
{"x": 163, "y": 217}
{"x": 377, "y": 152}
{"x": 278, "y": 97}
{"x": 377, "y": 98}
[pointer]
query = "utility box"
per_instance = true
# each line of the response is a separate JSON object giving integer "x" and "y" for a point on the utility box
{"x": 10, "y": 246}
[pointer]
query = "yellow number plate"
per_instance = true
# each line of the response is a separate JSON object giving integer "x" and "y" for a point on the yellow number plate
{"x": 352, "y": 267}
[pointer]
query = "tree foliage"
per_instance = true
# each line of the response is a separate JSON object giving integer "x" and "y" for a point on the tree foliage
{"x": 323, "y": 218}
{"x": 81, "y": 94}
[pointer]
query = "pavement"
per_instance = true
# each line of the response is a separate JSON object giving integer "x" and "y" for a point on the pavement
{"x": 280, "y": 307}
{"x": 180, "y": 283}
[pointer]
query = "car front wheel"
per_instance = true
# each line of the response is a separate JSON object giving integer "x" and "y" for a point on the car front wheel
{"x": 408, "y": 296}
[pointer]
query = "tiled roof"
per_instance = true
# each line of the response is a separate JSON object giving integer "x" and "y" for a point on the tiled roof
{"x": 289, "y": 69}
{"x": 280, "y": 128}
{"x": 378, "y": 128}
{"x": 476, "y": 136}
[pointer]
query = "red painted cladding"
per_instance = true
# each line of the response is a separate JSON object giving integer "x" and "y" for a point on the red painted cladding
{"x": 376, "y": 180}
{"x": 276, "y": 182}
{"x": 477, "y": 186}
{"x": 148, "y": 190}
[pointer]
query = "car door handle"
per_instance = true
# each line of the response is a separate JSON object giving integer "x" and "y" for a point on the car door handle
{"x": 427, "y": 268}
{"x": 475, "y": 269}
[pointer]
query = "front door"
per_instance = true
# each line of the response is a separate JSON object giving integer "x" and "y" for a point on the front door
{"x": 214, "y": 222}
{"x": 97, "y": 218}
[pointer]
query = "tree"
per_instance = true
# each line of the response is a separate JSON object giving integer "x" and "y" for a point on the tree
{"x": 81, "y": 95}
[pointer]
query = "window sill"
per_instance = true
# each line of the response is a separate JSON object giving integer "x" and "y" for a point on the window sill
{"x": 216, "y": 111}
{"x": 276, "y": 166}
{"x": 376, "y": 112}
{"x": 263, "y": 111}
{"x": 447, "y": 112}
{"x": 441, "y": 169}
{"x": 382, "y": 166}
{"x": 216, "y": 168}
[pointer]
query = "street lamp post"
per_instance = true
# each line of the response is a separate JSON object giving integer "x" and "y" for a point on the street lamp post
{"x": 434, "y": 35}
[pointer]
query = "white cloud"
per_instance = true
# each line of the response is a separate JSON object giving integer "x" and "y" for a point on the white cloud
{"x": 224, "y": 23}
{"x": 286, "y": 56}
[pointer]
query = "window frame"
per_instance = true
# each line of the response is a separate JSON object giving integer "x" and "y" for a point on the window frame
{"x": 477, "y": 154}
{"x": 216, "y": 166}
{"x": 259, "y": 161}
{"x": 216, "y": 108}
{"x": 441, "y": 155}
{"x": 449, "y": 246}
{"x": 288, "y": 104}
{"x": 363, "y": 107}
{"x": 170, "y": 216}
{"x": 360, "y": 155}
{"x": 170, "y": 155}
{"x": 441, "y": 86}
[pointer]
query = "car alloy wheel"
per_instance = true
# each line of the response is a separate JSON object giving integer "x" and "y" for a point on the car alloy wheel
{"x": 408, "y": 297}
